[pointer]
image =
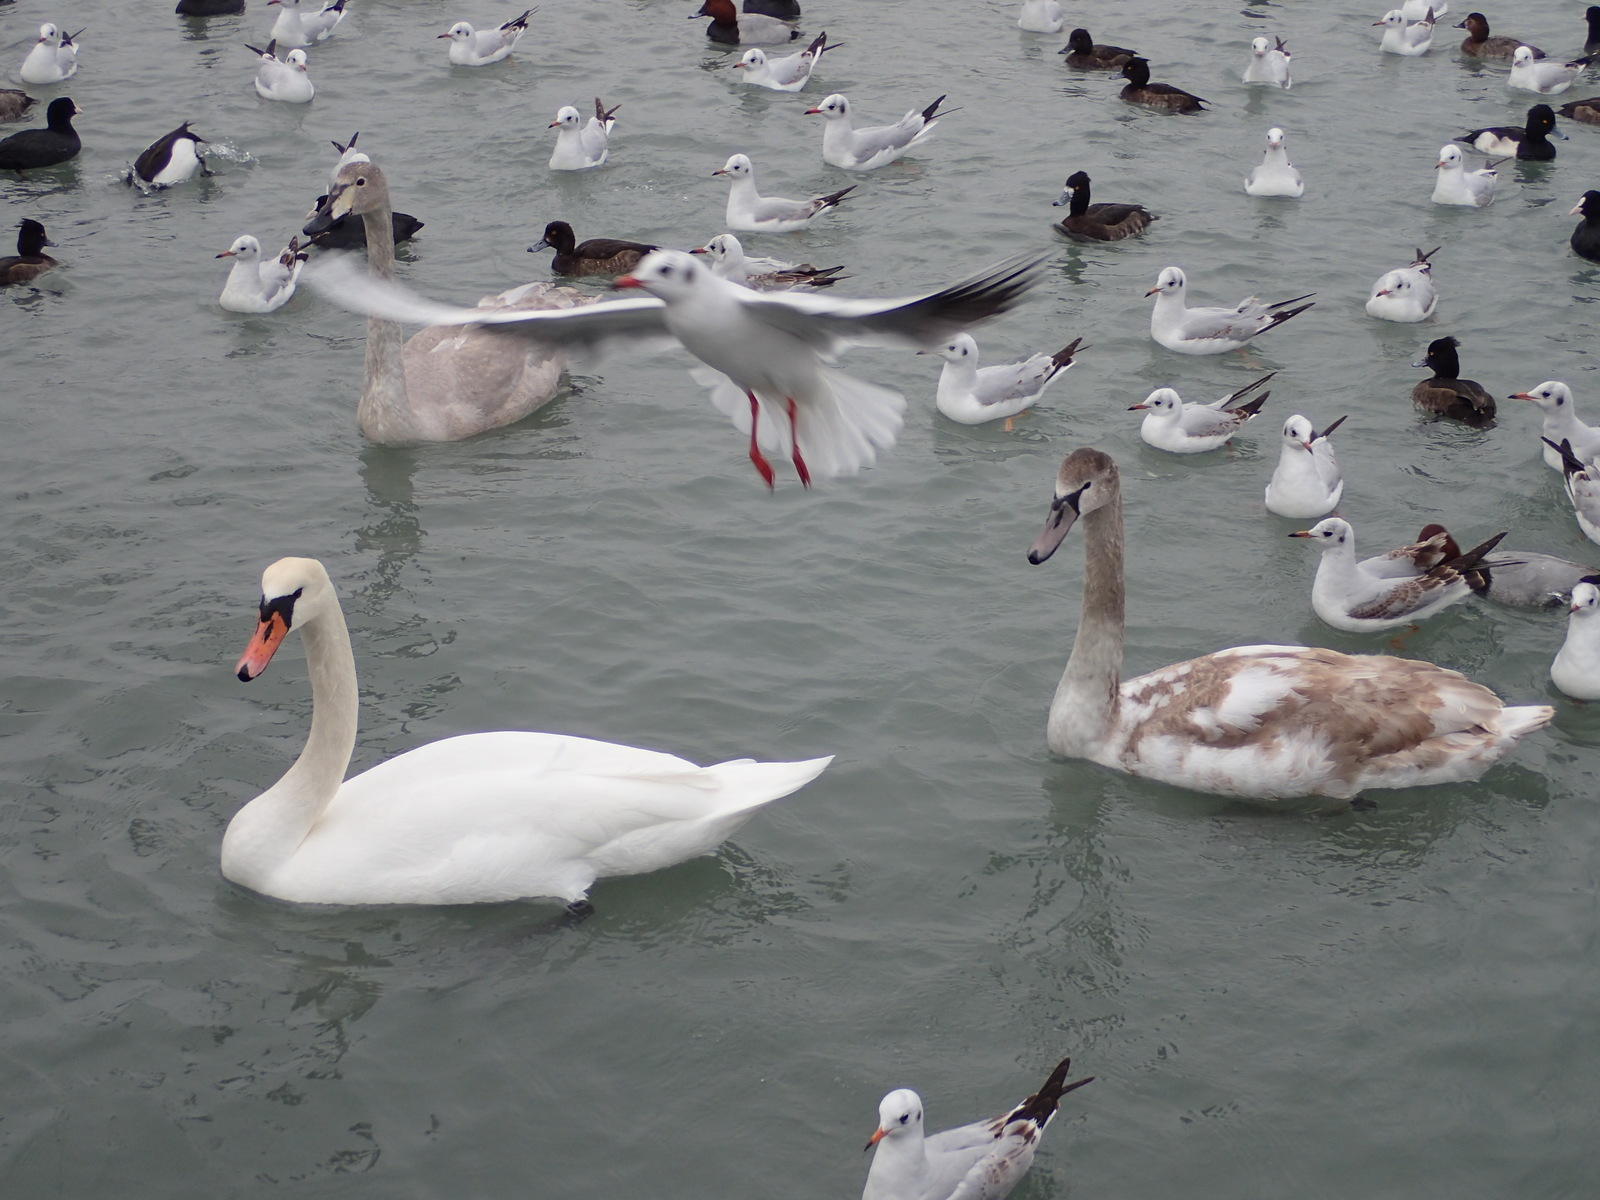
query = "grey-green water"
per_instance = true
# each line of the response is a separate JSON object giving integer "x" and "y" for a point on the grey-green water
{"x": 1399, "y": 1003}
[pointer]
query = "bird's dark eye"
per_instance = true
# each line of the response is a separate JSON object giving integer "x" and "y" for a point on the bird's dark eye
{"x": 362, "y": 182}
{"x": 904, "y": 1118}
{"x": 666, "y": 271}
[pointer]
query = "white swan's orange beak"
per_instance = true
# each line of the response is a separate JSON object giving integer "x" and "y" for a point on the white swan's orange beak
{"x": 263, "y": 645}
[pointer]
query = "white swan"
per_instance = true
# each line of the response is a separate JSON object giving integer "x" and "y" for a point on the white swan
{"x": 472, "y": 819}
{"x": 445, "y": 383}
{"x": 1265, "y": 722}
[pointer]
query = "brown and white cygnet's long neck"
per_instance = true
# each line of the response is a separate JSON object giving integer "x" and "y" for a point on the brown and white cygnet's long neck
{"x": 384, "y": 412}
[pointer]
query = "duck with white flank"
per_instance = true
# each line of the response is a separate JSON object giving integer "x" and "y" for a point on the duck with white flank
{"x": 283, "y": 79}
{"x": 1382, "y": 593}
{"x": 54, "y": 56}
{"x": 1445, "y": 393}
{"x": 1139, "y": 90}
{"x": 473, "y": 819}
{"x": 1262, "y": 722}
{"x": 1041, "y": 16}
{"x": 1586, "y": 235}
{"x": 1086, "y": 54}
{"x": 787, "y": 72}
{"x": 1269, "y": 63}
{"x": 728, "y": 261}
{"x": 172, "y": 158}
{"x": 971, "y": 394}
{"x": 1086, "y": 222}
{"x": 1307, "y": 481}
{"x": 305, "y": 22}
{"x": 981, "y": 1161}
{"x": 1406, "y": 294}
{"x": 471, "y": 47}
{"x": 1561, "y": 423}
{"x": 854, "y": 149}
{"x": 56, "y": 143}
{"x": 1401, "y": 36}
{"x": 1276, "y": 176}
{"x": 1479, "y": 44}
{"x": 596, "y": 256}
{"x": 1576, "y": 669}
{"x": 1582, "y": 481}
{"x": 732, "y": 28}
{"x": 257, "y": 286}
{"x": 1454, "y": 184}
{"x": 1532, "y": 74}
{"x": 582, "y": 147}
{"x": 1181, "y": 427}
{"x": 769, "y": 354}
{"x": 1211, "y": 330}
{"x": 30, "y": 261}
{"x": 1530, "y": 143}
{"x": 749, "y": 210}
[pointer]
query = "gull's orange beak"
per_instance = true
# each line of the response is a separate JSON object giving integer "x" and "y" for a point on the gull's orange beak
{"x": 1307, "y": 532}
{"x": 442, "y": 35}
{"x": 812, "y": 112}
{"x": 1153, "y": 290}
{"x": 1519, "y": 396}
{"x": 226, "y": 254}
{"x": 719, "y": 171}
{"x": 264, "y": 643}
{"x": 626, "y": 281}
{"x": 877, "y": 1137}
{"x": 1137, "y": 407}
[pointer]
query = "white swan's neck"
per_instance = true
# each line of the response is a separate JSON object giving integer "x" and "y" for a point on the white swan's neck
{"x": 384, "y": 412}
{"x": 267, "y": 832}
{"x": 1086, "y": 707}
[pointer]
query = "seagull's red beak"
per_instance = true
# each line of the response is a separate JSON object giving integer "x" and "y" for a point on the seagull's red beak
{"x": 811, "y": 112}
{"x": 1153, "y": 290}
{"x": 626, "y": 281}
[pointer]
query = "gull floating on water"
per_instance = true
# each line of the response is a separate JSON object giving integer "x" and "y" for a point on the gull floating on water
{"x": 471, "y": 47}
{"x": 1403, "y": 36}
{"x": 1276, "y": 175}
{"x": 53, "y": 58}
{"x": 1041, "y": 16}
{"x": 749, "y": 210}
{"x": 972, "y": 394}
{"x": 1211, "y": 330}
{"x": 1456, "y": 185}
{"x": 981, "y": 1161}
{"x": 1307, "y": 481}
{"x": 769, "y": 354}
{"x": 1269, "y": 63}
{"x": 283, "y": 79}
{"x": 581, "y": 147}
{"x": 1406, "y": 294}
{"x": 257, "y": 286}
{"x": 305, "y": 22}
{"x": 1561, "y": 423}
{"x": 876, "y": 146}
{"x": 1532, "y": 74}
{"x": 1180, "y": 427}
{"x": 1576, "y": 669}
{"x": 728, "y": 261}
{"x": 1582, "y": 480}
{"x": 786, "y": 73}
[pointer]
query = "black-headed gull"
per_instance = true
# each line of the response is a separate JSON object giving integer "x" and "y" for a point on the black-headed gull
{"x": 596, "y": 256}
{"x": 282, "y": 79}
{"x": 1530, "y": 143}
{"x": 876, "y": 146}
{"x": 1181, "y": 427}
{"x": 1576, "y": 669}
{"x": 471, "y": 47}
{"x": 1406, "y": 294}
{"x": 172, "y": 158}
{"x": 1583, "y": 489}
{"x": 1276, "y": 176}
{"x": 1456, "y": 185}
{"x": 347, "y": 154}
{"x": 1561, "y": 423}
{"x": 1269, "y": 63}
{"x": 1479, "y": 44}
{"x": 1211, "y": 330}
{"x": 1445, "y": 393}
{"x": 785, "y": 73}
{"x": 1401, "y": 36}
{"x": 54, "y": 56}
{"x": 728, "y": 261}
{"x": 1543, "y": 75}
{"x": 56, "y": 143}
{"x": 733, "y": 28}
{"x": 1041, "y": 16}
{"x": 30, "y": 260}
{"x": 256, "y": 285}
{"x": 748, "y": 209}
{"x": 1359, "y": 597}
{"x": 980, "y": 1161}
{"x": 1086, "y": 222}
{"x": 971, "y": 394}
{"x": 305, "y": 22}
{"x": 769, "y": 353}
{"x": 1307, "y": 481}
{"x": 582, "y": 146}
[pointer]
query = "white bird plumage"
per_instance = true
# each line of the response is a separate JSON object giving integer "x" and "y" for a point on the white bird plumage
{"x": 1183, "y": 427}
{"x": 473, "y": 819}
{"x": 1582, "y": 481}
{"x": 54, "y": 56}
{"x": 728, "y": 261}
{"x": 580, "y": 147}
{"x": 852, "y": 149}
{"x": 749, "y": 210}
{"x": 1263, "y": 722}
{"x": 471, "y": 47}
{"x": 255, "y": 285}
{"x": 1307, "y": 481}
{"x": 1576, "y": 668}
{"x": 284, "y": 79}
{"x": 1406, "y": 294}
{"x": 1403, "y": 36}
{"x": 1041, "y": 16}
{"x": 971, "y": 394}
{"x": 1210, "y": 330}
{"x": 305, "y": 22}
{"x": 1269, "y": 63}
{"x": 786, "y": 72}
{"x": 1456, "y": 185}
{"x": 1276, "y": 176}
{"x": 1555, "y": 402}
{"x": 1529, "y": 73}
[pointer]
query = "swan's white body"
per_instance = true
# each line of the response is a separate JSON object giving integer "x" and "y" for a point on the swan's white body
{"x": 305, "y": 22}
{"x": 1561, "y": 423}
{"x": 1406, "y": 294}
{"x": 1542, "y": 75}
{"x": 972, "y": 394}
{"x": 1401, "y": 36}
{"x": 1266, "y": 722}
{"x": 54, "y": 57}
{"x": 1457, "y": 185}
{"x": 1268, "y": 64}
{"x": 472, "y": 819}
{"x": 1576, "y": 669}
{"x": 1307, "y": 481}
{"x": 257, "y": 286}
{"x": 1041, "y": 16}
{"x": 1276, "y": 176}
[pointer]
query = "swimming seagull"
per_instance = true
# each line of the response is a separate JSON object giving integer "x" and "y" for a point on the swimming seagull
{"x": 728, "y": 261}
{"x": 1211, "y": 330}
{"x": 786, "y": 73}
{"x": 471, "y": 47}
{"x": 876, "y": 146}
{"x": 1416, "y": 10}
{"x": 172, "y": 158}
{"x": 1562, "y": 423}
{"x": 1041, "y": 16}
{"x": 767, "y": 355}
{"x": 284, "y": 79}
{"x": 299, "y": 26}
{"x": 1269, "y": 63}
{"x": 1181, "y": 427}
{"x": 1403, "y": 37}
{"x": 1276, "y": 175}
{"x": 347, "y": 154}
{"x": 1583, "y": 488}
{"x": 578, "y": 148}
{"x": 971, "y": 394}
{"x": 1576, "y": 669}
{"x": 1307, "y": 481}
{"x": 981, "y": 1161}
{"x": 748, "y": 209}
{"x": 53, "y": 58}
{"x": 1406, "y": 294}
{"x": 1531, "y": 74}
{"x": 255, "y": 286}
{"x": 1456, "y": 185}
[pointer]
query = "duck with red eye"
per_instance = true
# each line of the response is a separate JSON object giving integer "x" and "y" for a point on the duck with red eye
{"x": 732, "y": 28}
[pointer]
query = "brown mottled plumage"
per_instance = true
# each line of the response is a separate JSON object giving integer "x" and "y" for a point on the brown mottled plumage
{"x": 597, "y": 256}
{"x": 1087, "y": 222}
